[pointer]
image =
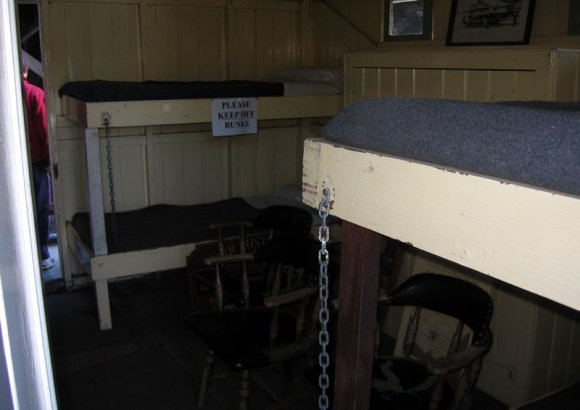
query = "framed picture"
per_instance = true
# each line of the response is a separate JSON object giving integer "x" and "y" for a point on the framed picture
{"x": 488, "y": 22}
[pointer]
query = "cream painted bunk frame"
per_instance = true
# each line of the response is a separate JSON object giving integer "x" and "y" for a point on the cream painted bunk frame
{"x": 535, "y": 247}
{"x": 96, "y": 261}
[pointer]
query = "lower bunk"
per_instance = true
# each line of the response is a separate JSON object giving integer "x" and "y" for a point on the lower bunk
{"x": 157, "y": 238}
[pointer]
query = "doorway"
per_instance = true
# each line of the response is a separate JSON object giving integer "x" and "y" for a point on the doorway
{"x": 31, "y": 50}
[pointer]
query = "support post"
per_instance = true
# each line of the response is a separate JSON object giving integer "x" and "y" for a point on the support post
{"x": 97, "y": 215}
{"x": 357, "y": 306}
{"x": 96, "y": 207}
{"x": 103, "y": 304}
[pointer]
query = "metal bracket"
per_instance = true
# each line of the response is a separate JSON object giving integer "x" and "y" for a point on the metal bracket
{"x": 106, "y": 119}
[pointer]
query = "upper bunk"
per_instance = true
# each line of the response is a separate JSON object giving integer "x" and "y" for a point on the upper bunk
{"x": 310, "y": 93}
{"x": 492, "y": 187}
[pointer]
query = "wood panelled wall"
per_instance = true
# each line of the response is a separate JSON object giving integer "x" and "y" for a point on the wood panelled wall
{"x": 204, "y": 40}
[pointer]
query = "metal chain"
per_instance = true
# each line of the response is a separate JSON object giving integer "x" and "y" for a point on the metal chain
{"x": 323, "y": 337}
{"x": 106, "y": 123}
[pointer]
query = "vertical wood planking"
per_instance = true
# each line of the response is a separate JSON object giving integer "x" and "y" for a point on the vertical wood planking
{"x": 371, "y": 84}
{"x": 173, "y": 169}
{"x": 540, "y": 349}
{"x": 265, "y": 163}
{"x": 211, "y": 56}
{"x": 566, "y": 81}
{"x": 102, "y": 38}
{"x": 328, "y": 50}
{"x": 213, "y": 168}
{"x": 167, "y": 43}
{"x": 243, "y": 171}
{"x": 129, "y": 173}
{"x": 193, "y": 179}
{"x": 189, "y": 50}
{"x": 355, "y": 85}
{"x": 133, "y": 177}
{"x": 573, "y": 369}
{"x": 388, "y": 85}
{"x": 453, "y": 84}
{"x": 56, "y": 37}
{"x": 78, "y": 41}
{"x": 287, "y": 151}
{"x": 127, "y": 45}
{"x": 561, "y": 333}
{"x": 525, "y": 86}
{"x": 405, "y": 83}
{"x": 265, "y": 52}
{"x": 477, "y": 85}
{"x": 285, "y": 39}
{"x": 501, "y": 87}
{"x": 428, "y": 83}
{"x": 186, "y": 168}
{"x": 72, "y": 167}
{"x": 147, "y": 22}
{"x": 245, "y": 56}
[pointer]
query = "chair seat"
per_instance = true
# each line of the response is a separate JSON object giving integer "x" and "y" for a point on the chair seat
{"x": 241, "y": 337}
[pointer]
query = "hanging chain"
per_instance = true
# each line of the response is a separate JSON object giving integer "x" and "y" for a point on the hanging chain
{"x": 323, "y": 337}
{"x": 106, "y": 123}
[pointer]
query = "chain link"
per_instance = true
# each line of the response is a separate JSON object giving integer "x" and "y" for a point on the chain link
{"x": 106, "y": 123}
{"x": 324, "y": 315}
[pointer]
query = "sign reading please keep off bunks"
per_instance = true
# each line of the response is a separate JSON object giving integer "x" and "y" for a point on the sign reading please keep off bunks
{"x": 234, "y": 116}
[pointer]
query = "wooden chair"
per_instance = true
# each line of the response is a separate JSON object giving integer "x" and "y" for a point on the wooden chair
{"x": 283, "y": 328}
{"x": 232, "y": 268}
{"x": 435, "y": 344}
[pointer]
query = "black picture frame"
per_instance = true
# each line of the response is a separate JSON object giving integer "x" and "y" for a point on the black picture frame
{"x": 490, "y": 22}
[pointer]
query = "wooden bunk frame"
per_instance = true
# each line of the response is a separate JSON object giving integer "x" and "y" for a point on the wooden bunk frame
{"x": 524, "y": 236}
{"x": 192, "y": 111}
{"x": 96, "y": 261}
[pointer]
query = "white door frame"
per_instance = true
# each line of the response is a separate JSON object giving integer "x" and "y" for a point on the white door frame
{"x": 26, "y": 379}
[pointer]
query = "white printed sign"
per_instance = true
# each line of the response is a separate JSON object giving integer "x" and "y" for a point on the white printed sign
{"x": 234, "y": 116}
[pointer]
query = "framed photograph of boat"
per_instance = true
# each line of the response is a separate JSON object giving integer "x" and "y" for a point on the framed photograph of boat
{"x": 489, "y": 22}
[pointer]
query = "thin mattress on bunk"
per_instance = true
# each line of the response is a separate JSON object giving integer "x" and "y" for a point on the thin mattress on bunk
{"x": 102, "y": 90}
{"x": 285, "y": 83}
{"x": 531, "y": 143}
{"x": 165, "y": 225}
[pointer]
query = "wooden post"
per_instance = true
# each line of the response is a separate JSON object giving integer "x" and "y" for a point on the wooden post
{"x": 357, "y": 307}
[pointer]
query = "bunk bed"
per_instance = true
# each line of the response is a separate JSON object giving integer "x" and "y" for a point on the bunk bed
{"x": 302, "y": 95}
{"x": 494, "y": 187}
{"x": 420, "y": 203}
{"x": 94, "y": 105}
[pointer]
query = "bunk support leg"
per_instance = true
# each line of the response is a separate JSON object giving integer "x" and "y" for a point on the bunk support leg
{"x": 357, "y": 304}
{"x": 103, "y": 304}
{"x": 95, "y": 186}
{"x": 97, "y": 217}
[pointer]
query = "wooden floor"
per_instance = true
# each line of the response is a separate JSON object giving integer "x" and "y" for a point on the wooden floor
{"x": 151, "y": 359}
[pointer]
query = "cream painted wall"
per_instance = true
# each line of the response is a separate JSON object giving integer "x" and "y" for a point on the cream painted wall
{"x": 366, "y": 15}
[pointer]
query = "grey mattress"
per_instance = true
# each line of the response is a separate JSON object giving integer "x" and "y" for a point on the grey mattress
{"x": 531, "y": 143}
